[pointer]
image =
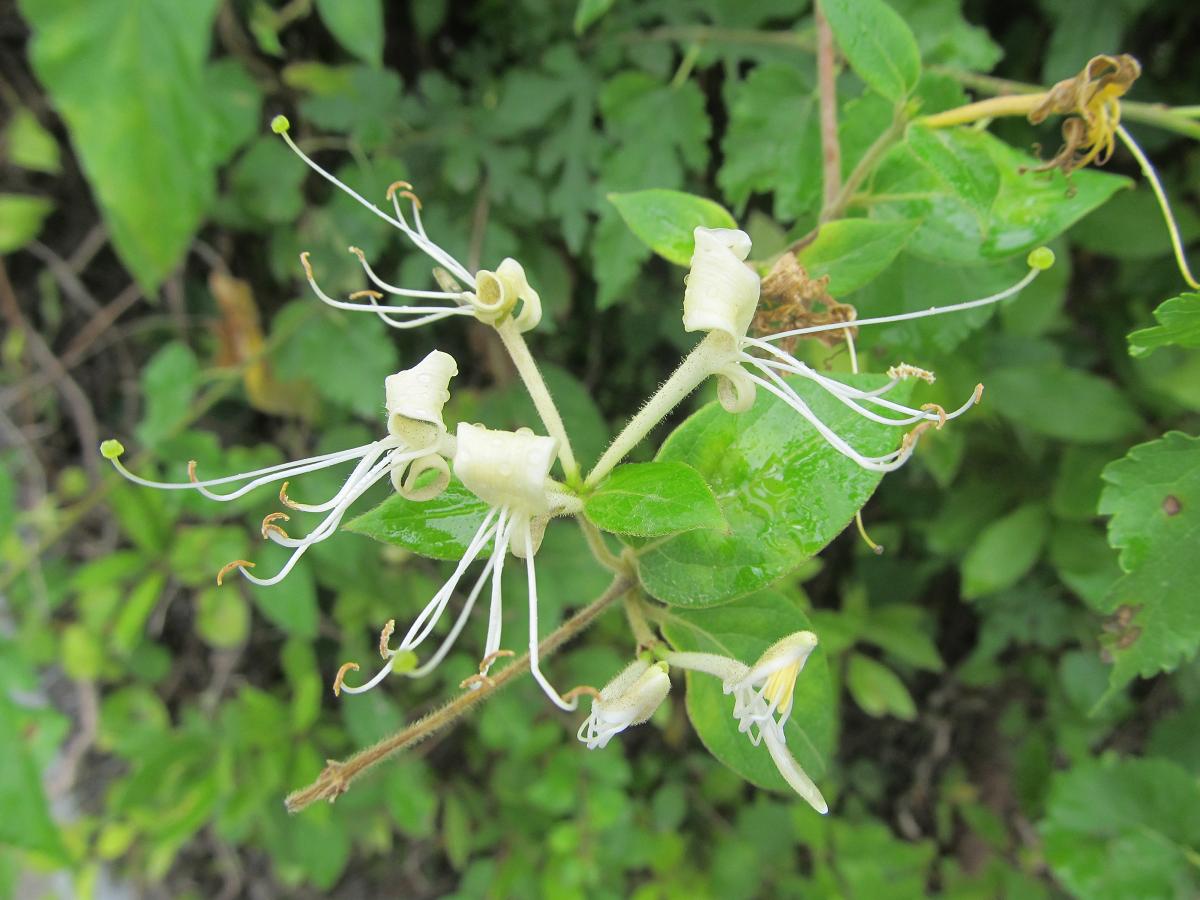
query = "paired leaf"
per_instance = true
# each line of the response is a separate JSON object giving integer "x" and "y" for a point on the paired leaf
{"x": 877, "y": 43}
{"x": 783, "y": 490}
{"x": 652, "y": 499}
{"x": 1178, "y": 326}
{"x": 665, "y": 220}
{"x": 743, "y": 631}
{"x": 440, "y": 528}
{"x": 853, "y": 252}
{"x": 1153, "y": 496}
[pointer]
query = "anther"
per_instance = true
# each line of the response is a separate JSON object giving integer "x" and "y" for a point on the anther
{"x": 192, "y": 471}
{"x": 904, "y": 370}
{"x": 978, "y": 395}
{"x": 580, "y": 691}
{"x": 396, "y": 185}
{"x": 308, "y": 270}
{"x": 269, "y": 519}
{"x": 345, "y": 670}
{"x": 488, "y": 661}
{"x": 413, "y": 198}
{"x": 374, "y": 295}
{"x": 284, "y": 498}
{"x": 361, "y": 256}
{"x": 384, "y": 636}
{"x": 229, "y": 567}
{"x": 473, "y": 680}
{"x": 941, "y": 413}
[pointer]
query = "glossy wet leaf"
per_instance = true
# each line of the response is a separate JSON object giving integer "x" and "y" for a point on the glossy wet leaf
{"x": 1178, "y": 326}
{"x": 877, "y": 43}
{"x": 974, "y": 199}
{"x": 665, "y": 220}
{"x": 128, "y": 79}
{"x": 652, "y": 499}
{"x": 784, "y": 491}
{"x": 440, "y": 528}
{"x": 1153, "y": 496}
{"x": 853, "y": 252}
{"x": 743, "y": 631}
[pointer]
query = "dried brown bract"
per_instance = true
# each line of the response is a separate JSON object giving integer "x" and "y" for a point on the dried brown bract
{"x": 791, "y": 299}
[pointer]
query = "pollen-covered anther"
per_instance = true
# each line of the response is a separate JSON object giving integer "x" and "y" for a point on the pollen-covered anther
{"x": 583, "y": 690}
{"x": 941, "y": 413}
{"x": 490, "y": 660}
{"x": 901, "y": 371}
{"x": 229, "y": 567}
{"x": 909, "y": 441}
{"x": 385, "y": 636}
{"x": 345, "y": 670}
{"x": 978, "y": 395}
{"x": 358, "y": 295}
{"x": 397, "y": 186}
{"x": 308, "y": 269}
{"x": 284, "y": 498}
{"x": 473, "y": 681}
{"x": 269, "y": 520}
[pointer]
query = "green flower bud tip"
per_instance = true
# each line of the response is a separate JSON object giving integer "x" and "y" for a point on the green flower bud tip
{"x": 280, "y": 124}
{"x": 406, "y": 661}
{"x": 1042, "y": 258}
{"x": 111, "y": 449}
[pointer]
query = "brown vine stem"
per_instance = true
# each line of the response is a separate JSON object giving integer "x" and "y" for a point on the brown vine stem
{"x": 336, "y": 777}
{"x": 831, "y": 150}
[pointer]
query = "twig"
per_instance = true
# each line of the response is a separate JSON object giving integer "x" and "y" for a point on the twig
{"x": 831, "y": 151}
{"x": 337, "y": 776}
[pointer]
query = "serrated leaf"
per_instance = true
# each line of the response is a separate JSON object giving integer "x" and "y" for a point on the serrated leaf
{"x": 1178, "y": 326}
{"x": 975, "y": 197}
{"x": 853, "y": 252}
{"x": 147, "y": 148}
{"x": 1005, "y": 551}
{"x": 654, "y": 498}
{"x": 877, "y": 43}
{"x": 1067, "y": 404}
{"x": 783, "y": 490}
{"x": 357, "y": 25}
{"x": 878, "y": 690}
{"x": 1153, "y": 496}
{"x": 440, "y": 528}
{"x": 773, "y": 143}
{"x": 743, "y": 631}
{"x": 664, "y": 220}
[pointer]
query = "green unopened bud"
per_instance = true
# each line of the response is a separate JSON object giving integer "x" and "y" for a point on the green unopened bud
{"x": 1042, "y": 258}
{"x": 112, "y": 449}
{"x": 280, "y": 124}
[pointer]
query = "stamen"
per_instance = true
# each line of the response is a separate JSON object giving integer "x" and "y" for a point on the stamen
{"x": 397, "y": 185}
{"x": 242, "y": 564}
{"x": 877, "y": 549}
{"x": 902, "y": 371}
{"x": 583, "y": 690}
{"x": 270, "y": 518}
{"x": 531, "y": 577}
{"x": 473, "y": 682}
{"x": 385, "y": 636}
{"x": 488, "y": 661}
{"x": 434, "y": 661}
{"x": 445, "y": 293}
{"x": 429, "y": 313}
{"x": 941, "y": 413}
{"x": 374, "y": 295}
{"x": 340, "y": 677}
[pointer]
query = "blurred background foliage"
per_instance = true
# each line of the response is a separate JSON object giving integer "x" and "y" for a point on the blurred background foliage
{"x": 150, "y": 723}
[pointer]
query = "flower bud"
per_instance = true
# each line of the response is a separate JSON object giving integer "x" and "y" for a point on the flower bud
{"x": 629, "y": 699}
{"x": 415, "y": 398}
{"x": 506, "y": 468}
{"x": 722, "y": 291}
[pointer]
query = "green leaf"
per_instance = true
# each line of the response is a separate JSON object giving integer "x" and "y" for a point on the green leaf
{"x": 357, "y": 25}
{"x": 1178, "y": 326}
{"x": 31, "y": 146}
{"x": 222, "y": 617}
{"x": 783, "y": 490}
{"x": 588, "y": 12}
{"x": 743, "y": 631}
{"x": 665, "y": 220}
{"x": 654, "y": 498}
{"x": 773, "y": 143}
{"x": 21, "y": 218}
{"x": 1005, "y": 551}
{"x": 440, "y": 528}
{"x": 878, "y": 45}
{"x": 1066, "y": 404}
{"x": 904, "y": 632}
{"x": 292, "y": 603}
{"x": 1128, "y": 828}
{"x": 974, "y": 198}
{"x": 169, "y": 381}
{"x": 877, "y": 690}
{"x": 128, "y": 79}
{"x": 26, "y": 822}
{"x": 1153, "y": 496}
{"x": 853, "y": 252}
{"x": 945, "y": 37}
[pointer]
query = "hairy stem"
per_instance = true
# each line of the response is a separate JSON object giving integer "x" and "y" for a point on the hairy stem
{"x": 337, "y": 776}
{"x": 515, "y": 344}
{"x": 599, "y": 548}
{"x": 831, "y": 150}
{"x": 696, "y": 366}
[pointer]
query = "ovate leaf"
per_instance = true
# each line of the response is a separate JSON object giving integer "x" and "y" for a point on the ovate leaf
{"x": 26, "y": 822}
{"x": 588, "y": 12}
{"x": 440, "y": 528}
{"x": 128, "y": 78}
{"x": 784, "y": 491}
{"x": 1005, "y": 551}
{"x": 1153, "y": 496}
{"x": 743, "y": 631}
{"x": 1067, "y": 404}
{"x": 878, "y": 690}
{"x": 665, "y": 220}
{"x": 357, "y": 25}
{"x": 878, "y": 45}
{"x": 1178, "y": 325}
{"x": 653, "y": 498}
{"x": 852, "y": 252}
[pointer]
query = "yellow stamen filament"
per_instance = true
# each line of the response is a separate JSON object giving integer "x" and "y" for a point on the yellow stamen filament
{"x": 229, "y": 567}
{"x": 877, "y": 549}
{"x": 345, "y": 670}
{"x": 780, "y": 686}
{"x": 384, "y": 636}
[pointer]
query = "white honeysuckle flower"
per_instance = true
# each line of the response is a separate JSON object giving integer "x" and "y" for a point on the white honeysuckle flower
{"x": 762, "y": 700}
{"x": 489, "y": 296}
{"x": 721, "y": 296}
{"x": 629, "y": 699}
{"x": 510, "y": 471}
{"x": 416, "y": 438}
